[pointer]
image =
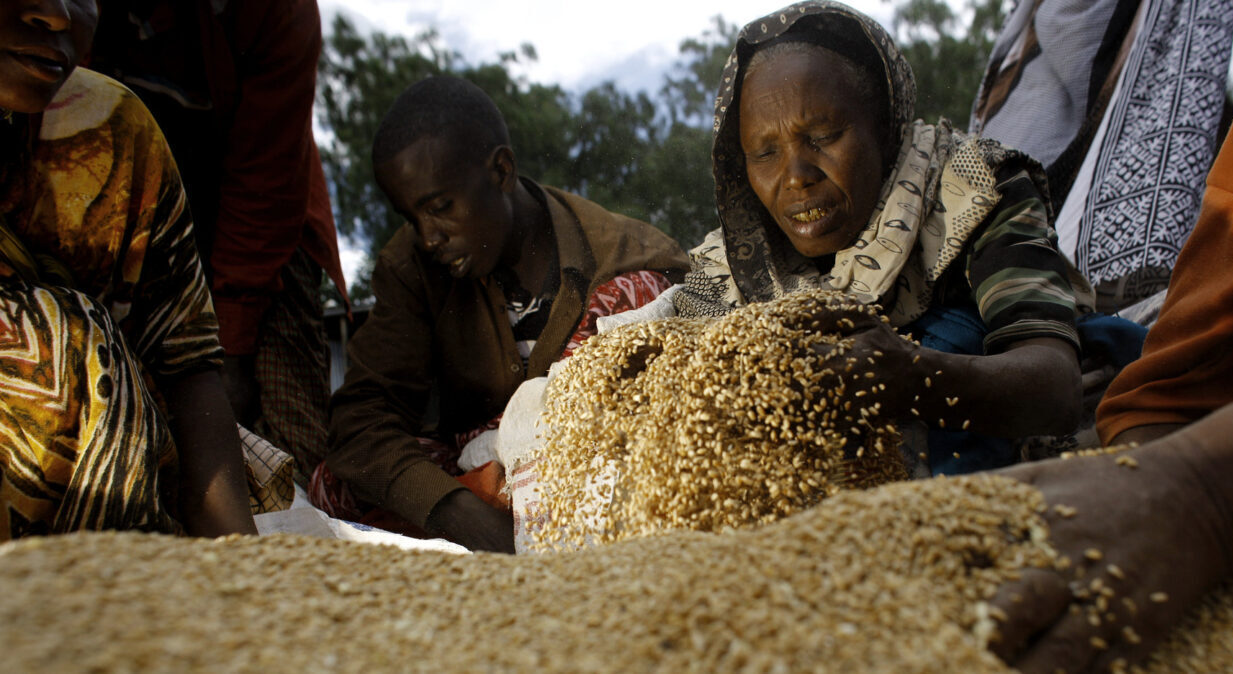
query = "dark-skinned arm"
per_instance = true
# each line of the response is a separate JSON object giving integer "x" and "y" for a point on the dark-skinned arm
{"x": 1032, "y": 388}
{"x": 466, "y": 519}
{"x": 377, "y": 414}
{"x": 1165, "y": 525}
{"x": 213, "y": 489}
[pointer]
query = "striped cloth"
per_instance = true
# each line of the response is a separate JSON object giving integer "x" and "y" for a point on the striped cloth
{"x": 82, "y": 442}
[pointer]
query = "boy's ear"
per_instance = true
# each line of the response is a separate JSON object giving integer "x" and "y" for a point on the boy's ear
{"x": 503, "y": 167}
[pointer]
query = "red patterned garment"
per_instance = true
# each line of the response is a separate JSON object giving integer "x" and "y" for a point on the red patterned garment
{"x": 628, "y": 291}
{"x": 623, "y": 293}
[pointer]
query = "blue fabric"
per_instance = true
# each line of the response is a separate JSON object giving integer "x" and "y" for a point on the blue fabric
{"x": 951, "y": 329}
{"x": 959, "y": 330}
{"x": 1110, "y": 338}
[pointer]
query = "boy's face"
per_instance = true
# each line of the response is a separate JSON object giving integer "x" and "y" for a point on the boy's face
{"x": 460, "y": 208}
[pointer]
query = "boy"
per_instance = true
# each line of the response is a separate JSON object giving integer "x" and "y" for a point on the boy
{"x": 492, "y": 279}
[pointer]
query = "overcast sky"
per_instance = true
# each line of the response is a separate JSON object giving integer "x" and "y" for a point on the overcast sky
{"x": 579, "y": 44}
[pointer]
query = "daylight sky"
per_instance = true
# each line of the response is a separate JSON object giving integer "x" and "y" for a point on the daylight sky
{"x": 579, "y": 44}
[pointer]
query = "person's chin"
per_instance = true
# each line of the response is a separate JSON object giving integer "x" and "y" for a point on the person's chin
{"x": 817, "y": 238}
{"x": 815, "y": 247}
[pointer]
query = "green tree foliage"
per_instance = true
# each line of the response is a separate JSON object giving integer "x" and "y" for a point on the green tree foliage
{"x": 648, "y": 157}
{"x": 948, "y": 52}
{"x": 645, "y": 155}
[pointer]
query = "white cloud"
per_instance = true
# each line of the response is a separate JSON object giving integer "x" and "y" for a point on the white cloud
{"x": 579, "y": 44}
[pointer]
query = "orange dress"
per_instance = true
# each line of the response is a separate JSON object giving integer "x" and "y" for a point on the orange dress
{"x": 101, "y": 294}
{"x": 1186, "y": 370}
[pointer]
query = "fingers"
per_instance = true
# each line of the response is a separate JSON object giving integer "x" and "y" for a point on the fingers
{"x": 1031, "y": 604}
{"x": 1068, "y": 646}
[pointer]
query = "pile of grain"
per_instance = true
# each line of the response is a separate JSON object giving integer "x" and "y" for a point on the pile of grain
{"x": 711, "y": 424}
{"x": 880, "y": 580}
{"x": 885, "y": 580}
{"x": 1203, "y": 642}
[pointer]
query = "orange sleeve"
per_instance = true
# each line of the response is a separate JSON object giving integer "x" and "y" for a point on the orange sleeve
{"x": 1186, "y": 370}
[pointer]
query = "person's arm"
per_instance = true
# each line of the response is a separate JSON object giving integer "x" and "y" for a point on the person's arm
{"x": 1028, "y": 382}
{"x": 377, "y": 414}
{"x": 466, "y": 519}
{"x": 213, "y": 489}
{"x": 1161, "y": 517}
{"x": 1032, "y": 388}
{"x": 172, "y": 329}
{"x": 267, "y": 172}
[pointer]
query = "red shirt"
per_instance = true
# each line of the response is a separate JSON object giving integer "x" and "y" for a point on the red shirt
{"x": 248, "y": 73}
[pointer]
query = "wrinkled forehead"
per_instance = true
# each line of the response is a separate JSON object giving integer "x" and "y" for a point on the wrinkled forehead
{"x": 838, "y": 28}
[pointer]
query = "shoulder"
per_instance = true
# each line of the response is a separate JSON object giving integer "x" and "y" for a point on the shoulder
{"x": 90, "y": 101}
{"x": 400, "y": 253}
{"x": 619, "y": 241}
{"x": 596, "y": 218}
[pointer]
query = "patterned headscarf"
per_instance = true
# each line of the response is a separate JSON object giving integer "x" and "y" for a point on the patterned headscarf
{"x": 939, "y": 187}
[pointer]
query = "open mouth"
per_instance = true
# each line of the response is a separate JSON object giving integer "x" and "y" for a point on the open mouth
{"x": 41, "y": 66}
{"x": 811, "y": 215}
{"x": 458, "y": 266}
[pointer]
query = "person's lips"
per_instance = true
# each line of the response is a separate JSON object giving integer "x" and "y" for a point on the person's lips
{"x": 458, "y": 266}
{"x": 42, "y": 62}
{"x": 811, "y": 220}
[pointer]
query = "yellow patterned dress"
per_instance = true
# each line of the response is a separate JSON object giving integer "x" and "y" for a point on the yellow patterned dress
{"x": 101, "y": 295}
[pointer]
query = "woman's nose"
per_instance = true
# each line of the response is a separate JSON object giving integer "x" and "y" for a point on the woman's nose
{"x": 800, "y": 172}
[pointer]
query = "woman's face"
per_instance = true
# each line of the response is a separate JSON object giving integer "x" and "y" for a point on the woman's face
{"x": 811, "y": 149}
{"x": 41, "y": 41}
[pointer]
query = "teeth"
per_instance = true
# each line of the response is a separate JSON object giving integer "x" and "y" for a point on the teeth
{"x": 458, "y": 262}
{"x": 810, "y": 215}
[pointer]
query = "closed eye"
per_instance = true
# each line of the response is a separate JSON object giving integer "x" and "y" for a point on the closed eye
{"x": 818, "y": 141}
{"x": 760, "y": 155}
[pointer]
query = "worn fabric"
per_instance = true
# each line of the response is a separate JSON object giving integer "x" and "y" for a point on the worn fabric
{"x": 232, "y": 84}
{"x": 954, "y": 211}
{"x": 268, "y": 471}
{"x": 433, "y": 341}
{"x": 1187, "y": 363}
{"x": 293, "y": 368}
{"x": 98, "y": 192}
{"x": 1054, "y": 60}
{"x": 1133, "y": 170}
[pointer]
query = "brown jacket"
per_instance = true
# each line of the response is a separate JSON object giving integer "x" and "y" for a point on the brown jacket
{"x": 430, "y": 331}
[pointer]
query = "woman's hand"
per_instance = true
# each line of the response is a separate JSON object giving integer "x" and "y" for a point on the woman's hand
{"x": 1147, "y": 533}
{"x": 213, "y": 487}
{"x": 891, "y": 372}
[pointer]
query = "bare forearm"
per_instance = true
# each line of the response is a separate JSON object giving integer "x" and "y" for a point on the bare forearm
{"x": 1161, "y": 513}
{"x": 1033, "y": 389}
{"x": 464, "y": 518}
{"x": 213, "y": 489}
{"x": 1206, "y": 448}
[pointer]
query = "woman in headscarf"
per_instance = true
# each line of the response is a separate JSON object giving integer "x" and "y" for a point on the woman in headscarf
{"x": 103, "y": 306}
{"x": 824, "y": 181}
